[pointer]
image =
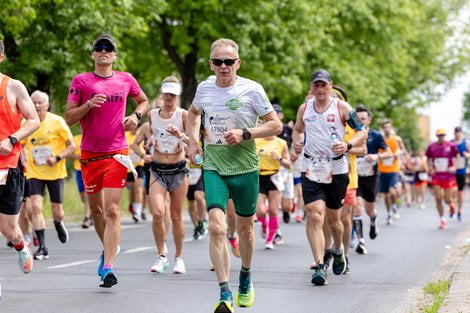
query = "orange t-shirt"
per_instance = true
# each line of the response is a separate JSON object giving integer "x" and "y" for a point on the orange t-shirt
{"x": 10, "y": 122}
{"x": 390, "y": 165}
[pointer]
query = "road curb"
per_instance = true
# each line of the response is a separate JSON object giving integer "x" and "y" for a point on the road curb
{"x": 458, "y": 297}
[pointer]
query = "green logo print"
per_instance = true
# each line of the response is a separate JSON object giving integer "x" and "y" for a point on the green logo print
{"x": 233, "y": 104}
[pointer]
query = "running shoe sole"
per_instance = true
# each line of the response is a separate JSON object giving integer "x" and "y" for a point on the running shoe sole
{"x": 223, "y": 307}
{"x": 109, "y": 280}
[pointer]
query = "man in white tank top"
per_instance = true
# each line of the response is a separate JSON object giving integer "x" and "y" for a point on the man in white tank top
{"x": 318, "y": 134}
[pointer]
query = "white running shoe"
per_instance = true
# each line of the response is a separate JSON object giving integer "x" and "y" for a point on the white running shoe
{"x": 269, "y": 245}
{"x": 25, "y": 260}
{"x": 179, "y": 267}
{"x": 160, "y": 265}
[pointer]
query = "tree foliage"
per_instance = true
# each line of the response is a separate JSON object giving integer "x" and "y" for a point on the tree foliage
{"x": 387, "y": 54}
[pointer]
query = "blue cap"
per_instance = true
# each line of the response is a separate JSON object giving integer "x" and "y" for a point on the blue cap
{"x": 320, "y": 75}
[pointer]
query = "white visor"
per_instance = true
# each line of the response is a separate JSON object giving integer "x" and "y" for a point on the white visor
{"x": 173, "y": 88}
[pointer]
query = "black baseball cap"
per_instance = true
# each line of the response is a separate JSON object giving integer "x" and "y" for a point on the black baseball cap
{"x": 320, "y": 75}
{"x": 105, "y": 39}
{"x": 277, "y": 108}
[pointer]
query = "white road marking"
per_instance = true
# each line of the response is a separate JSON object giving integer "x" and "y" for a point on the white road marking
{"x": 137, "y": 250}
{"x": 70, "y": 264}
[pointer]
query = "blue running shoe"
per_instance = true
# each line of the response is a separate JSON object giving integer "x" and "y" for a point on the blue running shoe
{"x": 101, "y": 264}
{"x": 108, "y": 279}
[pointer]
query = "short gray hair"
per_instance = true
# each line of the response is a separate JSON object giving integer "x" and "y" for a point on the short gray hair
{"x": 224, "y": 42}
{"x": 43, "y": 95}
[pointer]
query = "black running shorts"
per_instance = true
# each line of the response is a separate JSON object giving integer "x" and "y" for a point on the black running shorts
{"x": 55, "y": 188}
{"x": 333, "y": 194}
{"x": 11, "y": 194}
{"x": 367, "y": 188}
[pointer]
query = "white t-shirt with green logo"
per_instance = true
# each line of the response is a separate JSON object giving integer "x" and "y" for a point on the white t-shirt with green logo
{"x": 225, "y": 108}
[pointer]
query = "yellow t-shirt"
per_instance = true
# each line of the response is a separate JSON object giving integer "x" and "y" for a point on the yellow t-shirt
{"x": 353, "y": 178}
{"x": 77, "y": 140}
{"x": 267, "y": 164}
{"x": 135, "y": 158}
{"x": 49, "y": 140}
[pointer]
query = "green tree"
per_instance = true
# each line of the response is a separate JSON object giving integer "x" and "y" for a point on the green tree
{"x": 387, "y": 54}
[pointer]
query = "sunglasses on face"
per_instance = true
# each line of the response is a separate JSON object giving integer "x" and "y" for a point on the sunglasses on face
{"x": 106, "y": 48}
{"x": 219, "y": 62}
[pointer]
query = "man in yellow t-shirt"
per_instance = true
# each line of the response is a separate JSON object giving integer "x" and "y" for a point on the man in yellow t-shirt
{"x": 47, "y": 149}
{"x": 87, "y": 221}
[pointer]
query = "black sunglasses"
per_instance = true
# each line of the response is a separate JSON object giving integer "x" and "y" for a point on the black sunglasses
{"x": 106, "y": 48}
{"x": 219, "y": 62}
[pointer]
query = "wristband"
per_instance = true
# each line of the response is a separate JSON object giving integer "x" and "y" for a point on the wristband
{"x": 349, "y": 146}
{"x": 58, "y": 158}
{"x": 88, "y": 104}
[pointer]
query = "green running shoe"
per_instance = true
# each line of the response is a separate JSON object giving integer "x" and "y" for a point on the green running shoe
{"x": 245, "y": 298}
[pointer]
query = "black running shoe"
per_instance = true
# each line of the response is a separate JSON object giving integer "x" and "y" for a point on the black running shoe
{"x": 373, "y": 231}
{"x": 108, "y": 279}
{"x": 286, "y": 217}
{"x": 62, "y": 232}
{"x": 10, "y": 244}
{"x": 196, "y": 233}
{"x": 319, "y": 277}
{"x": 327, "y": 258}
{"x": 339, "y": 263}
{"x": 41, "y": 254}
{"x": 361, "y": 248}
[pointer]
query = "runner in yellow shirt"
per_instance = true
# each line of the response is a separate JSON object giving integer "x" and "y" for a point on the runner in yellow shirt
{"x": 47, "y": 149}
{"x": 87, "y": 221}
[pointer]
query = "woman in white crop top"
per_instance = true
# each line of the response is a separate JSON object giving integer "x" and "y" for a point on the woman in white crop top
{"x": 168, "y": 173}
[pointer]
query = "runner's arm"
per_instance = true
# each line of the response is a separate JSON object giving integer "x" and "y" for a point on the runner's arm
{"x": 139, "y": 138}
{"x": 285, "y": 158}
{"x": 131, "y": 121}
{"x": 193, "y": 126}
{"x": 298, "y": 134}
{"x": 27, "y": 110}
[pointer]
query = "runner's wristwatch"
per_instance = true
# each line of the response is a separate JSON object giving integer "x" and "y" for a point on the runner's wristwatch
{"x": 246, "y": 134}
{"x": 13, "y": 140}
{"x": 139, "y": 115}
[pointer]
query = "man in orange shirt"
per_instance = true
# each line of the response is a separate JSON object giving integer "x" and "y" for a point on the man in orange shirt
{"x": 15, "y": 104}
{"x": 389, "y": 169}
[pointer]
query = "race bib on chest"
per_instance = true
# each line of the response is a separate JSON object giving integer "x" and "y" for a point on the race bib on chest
{"x": 461, "y": 163}
{"x": 3, "y": 176}
{"x": 319, "y": 170}
{"x": 217, "y": 124}
{"x": 388, "y": 161}
{"x": 165, "y": 142}
{"x": 194, "y": 175}
{"x": 441, "y": 164}
{"x": 41, "y": 154}
{"x": 364, "y": 168}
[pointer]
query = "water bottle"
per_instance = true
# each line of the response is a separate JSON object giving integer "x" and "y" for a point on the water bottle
{"x": 198, "y": 159}
{"x": 334, "y": 140}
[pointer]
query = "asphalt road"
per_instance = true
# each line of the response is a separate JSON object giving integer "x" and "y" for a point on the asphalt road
{"x": 404, "y": 256}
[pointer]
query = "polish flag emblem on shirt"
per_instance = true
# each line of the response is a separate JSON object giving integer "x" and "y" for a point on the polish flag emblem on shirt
{"x": 330, "y": 118}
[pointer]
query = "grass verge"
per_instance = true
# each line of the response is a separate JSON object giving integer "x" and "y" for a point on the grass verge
{"x": 435, "y": 292}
